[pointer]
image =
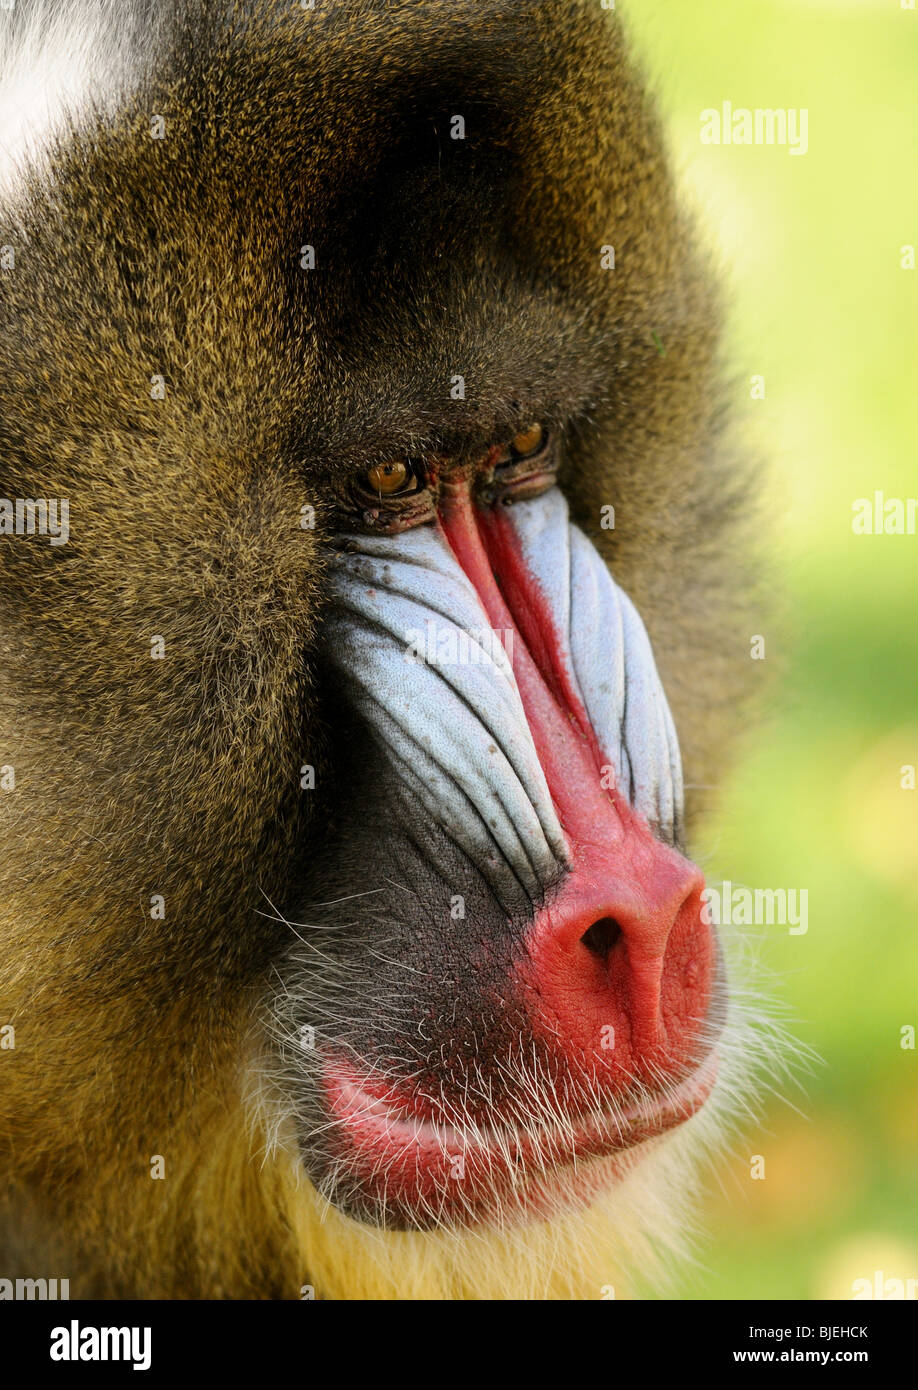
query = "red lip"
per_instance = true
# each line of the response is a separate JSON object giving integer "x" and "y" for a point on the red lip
{"x": 412, "y": 1162}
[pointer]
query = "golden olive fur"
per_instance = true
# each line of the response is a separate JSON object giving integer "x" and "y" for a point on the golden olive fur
{"x": 139, "y": 257}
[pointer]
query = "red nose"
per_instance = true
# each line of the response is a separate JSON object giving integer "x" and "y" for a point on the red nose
{"x": 620, "y": 963}
{"x": 619, "y": 966}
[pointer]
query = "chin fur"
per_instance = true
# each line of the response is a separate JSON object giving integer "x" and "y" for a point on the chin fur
{"x": 638, "y": 1231}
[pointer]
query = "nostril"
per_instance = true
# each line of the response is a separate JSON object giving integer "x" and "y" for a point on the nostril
{"x": 601, "y": 938}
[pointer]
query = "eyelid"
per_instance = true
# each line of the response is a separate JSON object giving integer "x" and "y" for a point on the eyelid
{"x": 388, "y": 513}
{"x": 531, "y": 484}
{"x": 519, "y": 478}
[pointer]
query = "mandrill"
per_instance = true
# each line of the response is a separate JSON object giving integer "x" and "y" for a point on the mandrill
{"x": 349, "y": 941}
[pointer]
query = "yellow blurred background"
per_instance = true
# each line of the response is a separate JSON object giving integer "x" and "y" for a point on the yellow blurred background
{"x": 822, "y": 307}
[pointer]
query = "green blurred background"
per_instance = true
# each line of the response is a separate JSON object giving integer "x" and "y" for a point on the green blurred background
{"x": 821, "y": 306}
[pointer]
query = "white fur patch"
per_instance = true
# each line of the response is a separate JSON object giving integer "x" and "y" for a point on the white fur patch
{"x": 63, "y": 63}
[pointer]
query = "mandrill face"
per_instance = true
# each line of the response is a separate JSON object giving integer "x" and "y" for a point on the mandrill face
{"x": 525, "y": 990}
{"x": 346, "y": 920}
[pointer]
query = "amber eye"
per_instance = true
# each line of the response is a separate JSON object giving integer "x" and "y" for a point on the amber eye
{"x": 387, "y": 478}
{"x": 528, "y": 441}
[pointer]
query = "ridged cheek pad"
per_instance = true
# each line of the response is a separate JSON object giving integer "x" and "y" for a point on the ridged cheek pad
{"x": 512, "y": 685}
{"x": 456, "y": 729}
